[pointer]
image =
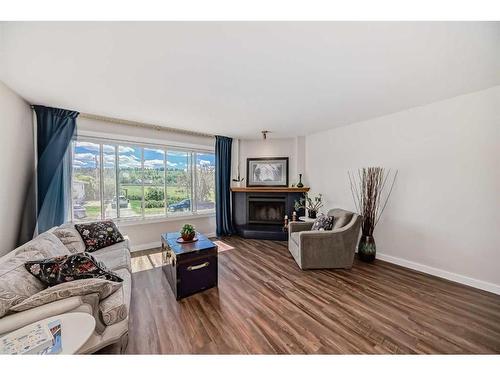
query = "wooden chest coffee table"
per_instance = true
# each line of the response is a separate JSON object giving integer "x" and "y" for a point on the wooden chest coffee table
{"x": 190, "y": 267}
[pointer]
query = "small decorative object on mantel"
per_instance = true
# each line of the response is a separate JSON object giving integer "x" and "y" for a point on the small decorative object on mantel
{"x": 187, "y": 234}
{"x": 238, "y": 181}
{"x": 311, "y": 204}
{"x": 367, "y": 189}
{"x": 300, "y": 184}
{"x": 294, "y": 216}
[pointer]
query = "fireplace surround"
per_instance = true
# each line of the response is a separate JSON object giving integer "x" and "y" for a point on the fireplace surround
{"x": 259, "y": 212}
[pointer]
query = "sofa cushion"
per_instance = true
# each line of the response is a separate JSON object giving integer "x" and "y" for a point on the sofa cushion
{"x": 57, "y": 270}
{"x": 103, "y": 288}
{"x": 70, "y": 237}
{"x": 114, "y": 257}
{"x": 342, "y": 217}
{"x": 115, "y": 308}
{"x": 323, "y": 222}
{"x": 99, "y": 234}
{"x": 17, "y": 284}
{"x": 341, "y": 221}
{"x": 46, "y": 243}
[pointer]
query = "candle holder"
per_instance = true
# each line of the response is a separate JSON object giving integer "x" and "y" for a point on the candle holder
{"x": 285, "y": 224}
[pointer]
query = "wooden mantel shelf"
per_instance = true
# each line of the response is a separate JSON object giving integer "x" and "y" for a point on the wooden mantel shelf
{"x": 269, "y": 190}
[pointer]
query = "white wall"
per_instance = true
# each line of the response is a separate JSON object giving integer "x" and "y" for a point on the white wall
{"x": 87, "y": 126}
{"x": 293, "y": 148}
{"x": 146, "y": 234}
{"x": 17, "y": 166}
{"x": 444, "y": 214}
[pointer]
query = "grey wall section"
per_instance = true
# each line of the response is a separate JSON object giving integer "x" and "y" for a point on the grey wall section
{"x": 444, "y": 214}
{"x": 17, "y": 170}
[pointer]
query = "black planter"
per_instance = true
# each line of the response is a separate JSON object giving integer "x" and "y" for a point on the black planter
{"x": 311, "y": 214}
{"x": 367, "y": 248}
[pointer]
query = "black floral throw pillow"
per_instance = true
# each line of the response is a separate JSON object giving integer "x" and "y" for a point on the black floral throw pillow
{"x": 99, "y": 234}
{"x": 323, "y": 222}
{"x": 57, "y": 270}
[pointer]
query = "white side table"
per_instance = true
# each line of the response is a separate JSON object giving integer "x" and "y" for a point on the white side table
{"x": 76, "y": 329}
{"x": 307, "y": 219}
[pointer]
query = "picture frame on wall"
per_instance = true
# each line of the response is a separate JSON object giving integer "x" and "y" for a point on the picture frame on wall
{"x": 267, "y": 172}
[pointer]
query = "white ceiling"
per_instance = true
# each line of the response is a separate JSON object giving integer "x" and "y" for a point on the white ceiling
{"x": 237, "y": 78}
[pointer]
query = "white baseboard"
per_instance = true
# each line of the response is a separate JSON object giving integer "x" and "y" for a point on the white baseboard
{"x": 153, "y": 245}
{"x": 479, "y": 284}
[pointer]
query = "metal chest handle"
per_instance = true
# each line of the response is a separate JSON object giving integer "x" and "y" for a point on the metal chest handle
{"x": 198, "y": 266}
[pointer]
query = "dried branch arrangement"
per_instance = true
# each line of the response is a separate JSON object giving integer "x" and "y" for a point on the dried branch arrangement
{"x": 367, "y": 188}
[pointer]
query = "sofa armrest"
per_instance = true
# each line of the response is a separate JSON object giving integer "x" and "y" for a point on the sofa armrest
{"x": 126, "y": 238}
{"x": 316, "y": 240}
{"x": 87, "y": 303}
{"x": 313, "y": 234}
{"x": 299, "y": 226}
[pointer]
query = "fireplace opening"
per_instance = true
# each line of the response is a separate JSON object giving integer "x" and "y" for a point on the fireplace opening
{"x": 266, "y": 210}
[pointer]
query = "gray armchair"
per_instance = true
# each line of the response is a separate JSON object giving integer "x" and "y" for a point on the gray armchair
{"x": 325, "y": 249}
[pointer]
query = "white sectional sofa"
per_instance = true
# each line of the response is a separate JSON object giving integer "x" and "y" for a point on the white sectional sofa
{"x": 111, "y": 313}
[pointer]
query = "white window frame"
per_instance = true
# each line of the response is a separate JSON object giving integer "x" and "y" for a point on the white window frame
{"x": 192, "y": 158}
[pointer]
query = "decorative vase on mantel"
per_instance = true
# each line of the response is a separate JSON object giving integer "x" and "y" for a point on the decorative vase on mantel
{"x": 312, "y": 214}
{"x": 300, "y": 184}
{"x": 367, "y": 249}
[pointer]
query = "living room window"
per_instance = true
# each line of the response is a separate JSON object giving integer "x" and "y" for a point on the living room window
{"x": 205, "y": 182}
{"x": 179, "y": 178}
{"x": 134, "y": 182}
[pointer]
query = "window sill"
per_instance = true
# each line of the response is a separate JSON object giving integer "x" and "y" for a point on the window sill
{"x": 140, "y": 221}
{"x": 122, "y": 223}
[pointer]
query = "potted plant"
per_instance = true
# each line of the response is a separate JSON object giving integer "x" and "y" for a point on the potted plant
{"x": 188, "y": 232}
{"x": 311, "y": 204}
{"x": 367, "y": 190}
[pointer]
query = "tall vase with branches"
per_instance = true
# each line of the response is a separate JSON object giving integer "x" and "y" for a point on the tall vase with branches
{"x": 368, "y": 191}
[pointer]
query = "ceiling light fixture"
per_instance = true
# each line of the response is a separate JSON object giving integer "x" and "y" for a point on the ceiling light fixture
{"x": 264, "y": 134}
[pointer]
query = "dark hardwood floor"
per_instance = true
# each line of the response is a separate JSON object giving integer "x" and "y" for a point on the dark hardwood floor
{"x": 266, "y": 304}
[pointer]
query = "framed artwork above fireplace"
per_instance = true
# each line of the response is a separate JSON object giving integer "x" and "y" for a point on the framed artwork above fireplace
{"x": 270, "y": 172}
